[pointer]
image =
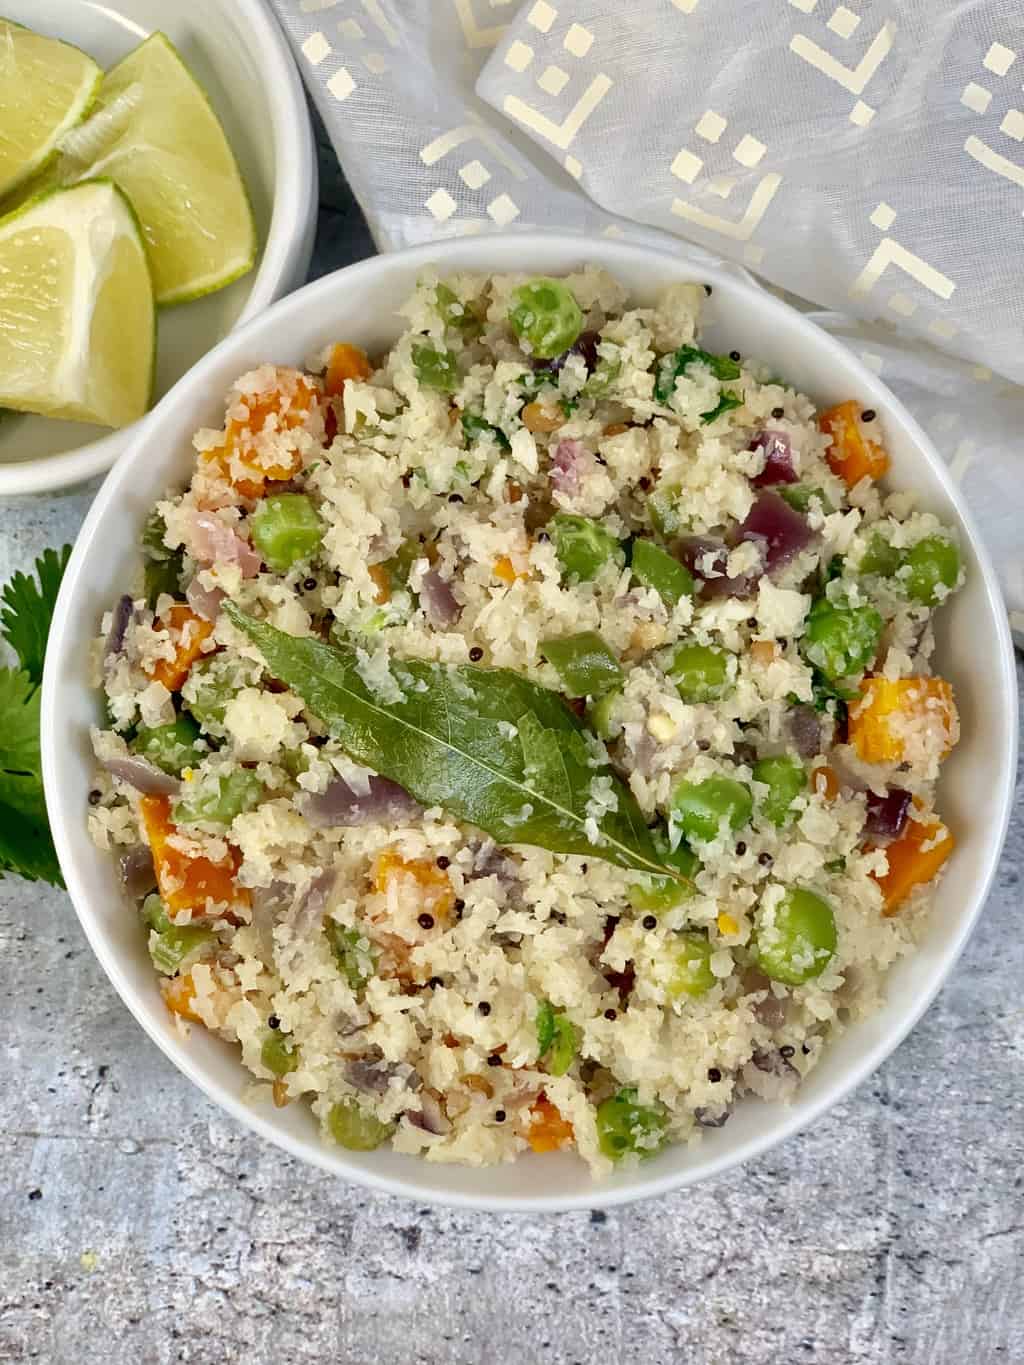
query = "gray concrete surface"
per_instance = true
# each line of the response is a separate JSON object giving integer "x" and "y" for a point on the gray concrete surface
{"x": 140, "y": 1227}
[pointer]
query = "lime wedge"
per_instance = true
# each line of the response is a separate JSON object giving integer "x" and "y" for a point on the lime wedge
{"x": 45, "y": 88}
{"x": 77, "y": 321}
{"x": 154, "y": 134}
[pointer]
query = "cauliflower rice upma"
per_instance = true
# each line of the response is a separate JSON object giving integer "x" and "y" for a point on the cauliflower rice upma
{"x": 527, "y": 739}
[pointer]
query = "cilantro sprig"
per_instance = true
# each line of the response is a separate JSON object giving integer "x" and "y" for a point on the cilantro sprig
{"x": 25, "y": 844}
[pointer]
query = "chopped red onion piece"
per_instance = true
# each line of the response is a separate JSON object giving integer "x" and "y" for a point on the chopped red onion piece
{"x": 372, "y": 1074}
{"x": 887, "y": 815}
{"x": 138, "y": 876}
{"x": 712, "y": 1115}
{"x": 783, "y": 532}
{"x": 308, "y": 914}
{"x": 805, "y": 729}
{"x": 144, "y": 776}
{"x": 778, "y": 459}
{"x": 771, "y": 1011}
{"x": 118, "y": 627}
{"x": 430, "y": 1117}
{"x": 692, "y": 551}
{"x": 567, "y": 466}
{"x": 384, "y": 803}
{"x": 771, "y": 1076}
{"x": 439, "y": 602}
{"x": 205, "y": 602}
{"x": 212, "y": 541}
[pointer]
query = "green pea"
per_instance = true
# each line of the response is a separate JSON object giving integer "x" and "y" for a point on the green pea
{"x": 664, "y": 507}
{"x": 352, "y": 1127}
{"x": 700, "y": 672}
{"x": 176, "y": 947}
{"x": 210, "y": 685}
{"x": 601, "y": 714}
{"x": 219, "y": 802}
{"x": 565, "y": 1046}
{"x": 353, "y": 953}
{"x": 154, "y": 913}
{"x": 625, "y": 1126}
{"x": 583, "y": 546}
{"x": 171, "y": 747}
{"x": 557, "y": 1035}
{"x": 584, "y": 663}
{"x": 279, "y": 1054}
{"x": 700, "y": 808}
{"x": 785, "y": 779}
{"x": 691, "y": 971}
{"x": 934, "y": 565}
{"x": 435, "y": 369}
{"x": 799, "y": 941}
{"x": 654, "y": 893}
{"x": 841, "y": 640}
{"x": 656, "y": 568}
{"x": 880, "y": 557}
{"x": 546, "y": 316}
{"x": 286, "y": 528}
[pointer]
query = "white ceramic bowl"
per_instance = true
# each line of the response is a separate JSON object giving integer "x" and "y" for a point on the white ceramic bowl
{"x": 241, "y": 58}
{"x": 359, "y": 304}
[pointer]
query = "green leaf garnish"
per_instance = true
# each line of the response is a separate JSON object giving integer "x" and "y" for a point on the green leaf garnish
{"x": 25, "y": 844}
{"x": 670, "y": 367}
{"x": 28, "y": 607}
{"x": 726, "y": 402}
{"x": 487, "y": 745}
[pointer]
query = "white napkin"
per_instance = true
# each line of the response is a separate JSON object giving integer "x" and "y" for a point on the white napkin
{"x": 867, "y": 157}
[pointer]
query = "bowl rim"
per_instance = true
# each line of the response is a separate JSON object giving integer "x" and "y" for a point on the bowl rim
{"x": 286, "y": 252}
{"x": 1002, "y": 676}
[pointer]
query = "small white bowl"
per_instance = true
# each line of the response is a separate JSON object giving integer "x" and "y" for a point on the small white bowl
{"x": 359, "y": 304}
{"x": 241, "y": 58}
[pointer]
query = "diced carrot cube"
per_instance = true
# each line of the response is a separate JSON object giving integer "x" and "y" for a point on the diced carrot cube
{"x": 892, "y": 713}
{"x": 188, "y": 883}
{"x": 346, "y": 362}
{"x": 825, "y": 783}
{"x": 504, "y": 570}
{"x": 852, "y": 456}
{"x": 433, "y": 888}
{"x": 914, "y": 859}
{"x": 286, "y": 408}
{"x": 179, "y": 995}
{"x": 548, "y": 1130}
{"x": 382, "y": 582}
{"x": 763, "y": 652}
{"x": 188, "y": 633}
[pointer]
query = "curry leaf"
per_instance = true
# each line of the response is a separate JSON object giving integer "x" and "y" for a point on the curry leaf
{"x": 487, "y": 745}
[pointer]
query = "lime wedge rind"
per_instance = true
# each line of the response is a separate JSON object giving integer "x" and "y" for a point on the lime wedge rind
{"x": 23, "y": 163}
{"x": 156, "y": 134}
{"x": 86, "y": 348}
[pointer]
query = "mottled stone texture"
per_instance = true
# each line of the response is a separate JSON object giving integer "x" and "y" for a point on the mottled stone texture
{"x": 140, "y": 1227}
